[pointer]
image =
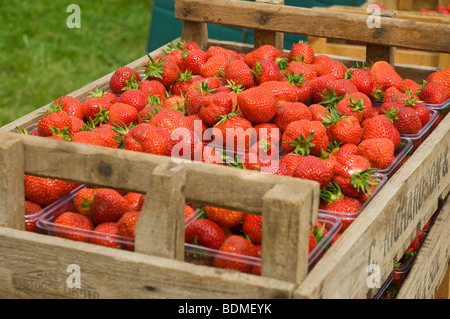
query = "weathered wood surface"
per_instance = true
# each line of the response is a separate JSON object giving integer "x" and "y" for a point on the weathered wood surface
{"x": 384, "y": 229}
{"x": 431, "y": 264}
{"x": 297, "y": 20}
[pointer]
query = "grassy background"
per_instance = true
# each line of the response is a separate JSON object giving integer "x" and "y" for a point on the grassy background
{"x": 42, "y": 59}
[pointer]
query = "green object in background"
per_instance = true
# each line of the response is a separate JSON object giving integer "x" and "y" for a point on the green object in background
{"x": 164, "y": 27}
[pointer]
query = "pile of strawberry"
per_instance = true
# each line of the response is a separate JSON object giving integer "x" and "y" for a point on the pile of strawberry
{"x": 440, "y": 9}
{"x": 233, "y": 239}
{"x": 317, "y": 116}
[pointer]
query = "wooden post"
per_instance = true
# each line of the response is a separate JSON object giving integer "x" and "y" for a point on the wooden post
{"x": 12, "y": 191}
{"x": 377, "y": 52}
{"x": 195, "y": 31}
{"x": 262, "y": 37}
{"x": 160, "y": 227}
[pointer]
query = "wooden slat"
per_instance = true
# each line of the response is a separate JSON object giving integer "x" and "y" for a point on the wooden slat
{"x": 384, "y": 229}
{"x": 12, "y": 191}
{"x": 36, "y": 266}
{"x": 297, "y": 20}
{"x": 431, "y": 263}
{"x": 443, "y": 291}
{"x": 262, "y": 37}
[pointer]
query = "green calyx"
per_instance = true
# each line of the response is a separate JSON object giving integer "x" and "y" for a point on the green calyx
{"x": 282, "y": 63}
{"x": 302, "y": 145}
{"x": 331, "y": 193}
{"x": 235, "y": 88}
{"x": 357, "y": 106}
{"x": 332, "y": 118}
{"x": 63, "y": 133}
{"x": 331, "y": 98}
{"x": 317, "y": 232}
{"x": 364, "y": 179}
{"x": 154, "y": 69}
{"x": 295, "y": 79}
{"x": 97, "y": 93}
{"x": 121, "y": 129}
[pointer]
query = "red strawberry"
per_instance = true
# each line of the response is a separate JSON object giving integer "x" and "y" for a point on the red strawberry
{"x": 95, "y": 108}
{"x": 384, "y": 75}
{"x": 54, "y": 120}
{"x": 88, "y": 137}
{"x": 83, "y": 199}
{"x": 409, "y": 85}
{"x": 163, "y": 69}
{"x": 194, "y": 61}
{"x": 108, "y": 205}
{"x": 121, "y": 78}
{"x": 264, "y": 52}
{"x": 364, "y": 83}
{"x": 407, "y": 121}
{"x": 290, "y": 161}
{"x": 301, "y": 52}
{"x": 296, "y": 67}
{"x": 354, "y": 174}
{"x": 288, "y": 112}
{"x": 355, "y": 104}
{"x": 332, "y": 199}
{"x": 215, "y": 65}
{"x": 184, "y": 144}
{"x": 151, "y": 88}
{"x": 441, "y": 76}
{"x": 282, "y": 91}
{"x": 318, "y": 85}
{"x": 126, "y": 225}
{"x": 312, "y": 168}
{"x": 239, "y": 247}
{"x": 434, "y": 93}
{"x": 334, "y": 68}
{"x": 267, "y": 131}
{"x": 266, "y": 70}
{"x": 257, "y": 104}
{"x": 305, "y": 137}
{"x": 214, "y": 50}
{"x": 70, "y": 105}
{"x": 31, "y": 218}
{"x": 380, "y": 126}
{"x": 168, "y": 119}
{"x": 73, "y": 226}
{"x": 106, "y": 234}
{"x": 319, "y": 112}
{"x": 110, "y": 97}
{"x": 108, "y": 134}
{"x": 343, "y": 129}
{"x": 224, "y": 217}
{"x": 422, "y": 112}
{"x": 240, "y": 73}
{"x": 44, "y": 191}
{"x": 214, "y": 106}
{"x": 147, "y": 138}
{"x": 194, "y": 97}
{"x": 379, "y": 152}
{"x": 135, "y": 98}
{"x": 392, "y": 94}
{"x": 122, "y": 113}
{"x": 252, "y": 227}
{"x": 204, "y": 232}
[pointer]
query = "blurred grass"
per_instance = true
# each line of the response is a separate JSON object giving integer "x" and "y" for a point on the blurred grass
{"x": 42, "y": 59}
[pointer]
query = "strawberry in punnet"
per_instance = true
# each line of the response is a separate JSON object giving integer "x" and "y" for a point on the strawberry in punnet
{"x": 126, "y": 226}
{"x": 134, "y": 200}
{"x": 73, "y": 226}
{"x": 83, "y": 199}
{"x": 190, "y": 45}
{"x": 264, "y": 52}
{"x": 182, "y": 84}
{"x": 147, "y": 138}
{"x": 163, "y": 69}
{"x": 239, "y": 247}
{"x": 252, "y": 227}
{"x": 194, "y": 61}
{"x": 107, "y": 95}
{"x": 153, "y": 87}
{"x": 406, "y": 121}
{"x": 31, "y": 211}
{"x": 108, "y": 205}
{"x": 215, "y": 65}
{"x": 266, "y": 70}
{"x": 303, "y": 88}
{"x": 44, "y": 191}
{"x": 121, "y": 78}
{"x": 307, "y": 70}
{"x": 364, "y": 83}
{"x": 205, "y": 233}
{"x": 335, "y": 68}
{"x": 224, "y": 217}
{"x": 301, "y": 52}
{"x": 290, "y": 161}
{"x": 305, "y": 137}
{"x": 354, "y": 104}
{"x": 108, "y": 134}
{"x": 88, "y": 137}
{"x": 381, "y": 127}
{"x": 335, "y": 92}
{"x": 185, "y": 144}
{"x": 121, "y": 113}
{"x": 211, "y": 156}
{"x": 106, "y": 234}
{"x": 240, "y": 73}
{"x": 267, "y": 131}
{"x": 409, "y": 85}
{"x": 312, "y": 168}
{"x": 393, "y": 94}
{"x": 214, "y": 50}
{"x": 288, "y": 112}
{"x": 54, "y": 120}
{"x": 320, "y": 59}
{"x": 194, "y": 96}
{"x": 318, "y": 85}
{"x": 135, "y": 98}
{"x": 94, "y": 108}
{"x": 282, "y": 91}
{"x": 422, "y": 111}
{"x": 345, "y": 150}
{"x": 379, "y": 152}
{"x": 70, "y": 105}
{"x": 354, "y": 175}
{"x": 257, "y": 104}
{"x": 319, "y": 112}
{"x": 168, "y": 119}
{"x": 434, "y": 93}
{"x": 343, "y": 129}
{"x": 441, "y": 76}
{"x": 214, "y": 106}
{"x": 384, "y": 75}
{"x": 188, "y": 211}
{"x": 256, "y": 268}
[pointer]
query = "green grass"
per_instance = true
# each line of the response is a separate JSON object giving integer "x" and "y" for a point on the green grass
{"x": 42, "y": 59}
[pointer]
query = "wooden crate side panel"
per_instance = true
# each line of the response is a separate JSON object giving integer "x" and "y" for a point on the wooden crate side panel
{"x": 431, "y": 263}
{"x": 383, "y": 231}
{"x": 297, "y": 20}
{"x": 40, "y": 266}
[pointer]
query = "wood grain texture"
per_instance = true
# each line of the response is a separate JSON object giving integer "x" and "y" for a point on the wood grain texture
{"x": 305, "y": 21}
{"x": 384, "y": 229}
{"x": 431, "y": 263}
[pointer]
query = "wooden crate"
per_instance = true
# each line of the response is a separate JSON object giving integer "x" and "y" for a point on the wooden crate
{"x": 377, "y": 237}
{"x": 406, "y": 10}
